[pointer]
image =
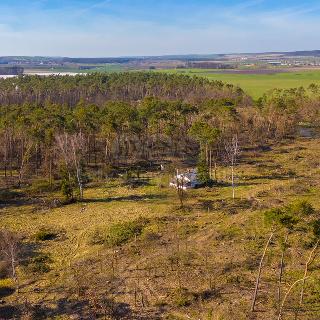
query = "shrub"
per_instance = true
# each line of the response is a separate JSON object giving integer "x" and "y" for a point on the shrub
{"x": 203, "y": 172}
{"x": 182, "y": 297}
{"x": 120, "y": 233}
{"x": 67, "y": 189}
{"x": 301, "y": 207}
{"x": 6, "y": 194}
{"x": 280, "y": 216}
{"x": 316, "y": 228}
{"x": 44, "y": 235}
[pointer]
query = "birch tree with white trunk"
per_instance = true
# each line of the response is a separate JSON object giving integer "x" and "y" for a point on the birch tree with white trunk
{"x": 232, "y": 152}
{"x": 72, "y": 148}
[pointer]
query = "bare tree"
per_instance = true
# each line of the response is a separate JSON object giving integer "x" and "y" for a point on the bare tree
{"x": 180, "y": 187}
{"x": 72, "y": 147}
{"x": 288, "y": 222}
{"x": 254, "y": 299}
{"x": 9, "y": 251}
{"x": 232, "y": 151}
{"x": 286, "y": 296}
{"x": 26, "y": 148}
{"x": 312, "y": 257}
{"x": 281, "y": 267}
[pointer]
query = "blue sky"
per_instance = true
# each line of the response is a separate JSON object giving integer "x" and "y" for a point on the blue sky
{"x": 101, "y": 28}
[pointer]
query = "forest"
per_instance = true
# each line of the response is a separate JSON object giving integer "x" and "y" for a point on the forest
{"x": 111, "y": 141}
{"x": 95, "y": 122}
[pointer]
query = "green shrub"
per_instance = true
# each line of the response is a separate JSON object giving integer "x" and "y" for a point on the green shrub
{"x": 67, "y": 189}
{"x": 203, "y": 172}
{"x": 301, "y": 207}
{"x": 288, "y": 216}
{"x": 280, "y": 216}
{"x": 7, "y": 194}
{"x": 316, "y": 228}
{"x": 44, "y": 235}
{"x": 119, "y": 233}
{"x": 182, "y": 297}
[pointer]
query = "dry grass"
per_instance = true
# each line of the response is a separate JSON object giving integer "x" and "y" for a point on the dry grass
{"x": 208, "y": 251}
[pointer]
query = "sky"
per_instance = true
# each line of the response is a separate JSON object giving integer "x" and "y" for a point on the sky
{"x": 112, "y": 28}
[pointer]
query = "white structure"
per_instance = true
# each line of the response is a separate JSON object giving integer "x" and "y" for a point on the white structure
{"x": 187, "y": 180}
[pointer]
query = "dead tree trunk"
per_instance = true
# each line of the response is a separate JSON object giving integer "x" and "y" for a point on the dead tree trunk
{"x": 286, "y": 296}
{"x": 306, "y": 269}
{"x": 281, "y": 268}
{"x": 254, "y": 299}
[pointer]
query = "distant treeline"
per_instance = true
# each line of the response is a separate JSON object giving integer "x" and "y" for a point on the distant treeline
{"x": 209, "y": 65}
{"x": 98, "y": 88}
{"x": 98, "y": 60}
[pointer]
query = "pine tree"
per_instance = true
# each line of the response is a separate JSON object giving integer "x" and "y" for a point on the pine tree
{"x": 203, "y": 171}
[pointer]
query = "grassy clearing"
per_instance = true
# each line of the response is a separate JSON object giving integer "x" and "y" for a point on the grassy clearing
{"x": 258, "y": 84}
{"x": 156, "y": 260}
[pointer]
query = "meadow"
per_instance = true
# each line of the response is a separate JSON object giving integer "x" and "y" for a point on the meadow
{"x": 257, "y": 84}
{"x": 134, "y": 253}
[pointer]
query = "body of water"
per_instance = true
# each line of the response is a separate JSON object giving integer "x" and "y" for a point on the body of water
{"x": 43, "y": 74}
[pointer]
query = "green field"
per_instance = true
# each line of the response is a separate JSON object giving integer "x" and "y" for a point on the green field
{"x": 257, "y": 84}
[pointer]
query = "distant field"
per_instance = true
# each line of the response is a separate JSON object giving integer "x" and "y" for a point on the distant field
{"x": 257, "y": 84}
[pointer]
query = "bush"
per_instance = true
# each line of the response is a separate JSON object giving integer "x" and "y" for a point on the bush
{"x": 280, "y": 216}
{"x": 7, "y": 194}
{"x": 44, "y": 235}
{"x": 120, "y": 233}
{"x": 316, "y": 228}
{"x": 289, "y": 215}
{"x": 203, "y": 173}
{"x": 182, "y": 297}
{"x": 301, "y": 207}
{"x": 67, "y": 189}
